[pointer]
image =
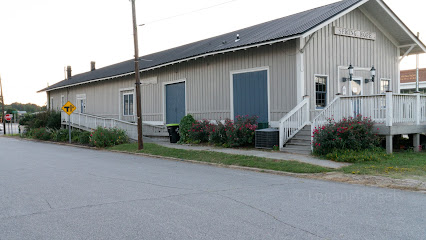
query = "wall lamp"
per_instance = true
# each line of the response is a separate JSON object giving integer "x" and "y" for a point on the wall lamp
{"x": 373, "y": 74}
{"x": 351, "y": 73}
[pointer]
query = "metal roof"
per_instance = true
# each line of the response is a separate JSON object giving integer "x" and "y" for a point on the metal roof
{"x": 276, "y": 30}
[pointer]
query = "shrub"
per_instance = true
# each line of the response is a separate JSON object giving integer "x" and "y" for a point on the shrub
{"x": 61, "y": 135}
{"x": 49, "y": 119}
{"x": 84, "y": 137}
{"x": 75, "y": 135}
{"x": 240, "y": 133}
{"x": 217, "y": 134}
{"x": 348, "y": 134}
{"x": 352, "y": 156}
{"x": 106, "y": 137}
{"x": 41, "y": 134}
{"x": 184, "y": 126}
{"x": 199, "y": 131}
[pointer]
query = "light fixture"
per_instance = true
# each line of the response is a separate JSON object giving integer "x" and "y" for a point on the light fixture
{"x": 372, "y": 74}
{"x": 351, "y": 73}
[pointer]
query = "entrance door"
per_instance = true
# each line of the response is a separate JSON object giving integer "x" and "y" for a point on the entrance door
{"x": 356, "y": 90}
{"x": 175, "y": 102}
{"x": 250, "y": 91}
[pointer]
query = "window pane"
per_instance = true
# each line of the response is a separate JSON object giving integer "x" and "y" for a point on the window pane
{"x": 320, "y": 92}
{"x": 131, "y": 104}
{"x": 126, "y": 105}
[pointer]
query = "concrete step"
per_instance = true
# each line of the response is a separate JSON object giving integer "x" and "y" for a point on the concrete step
{"x": 303, "y": 138}
{"x": 298, "y": 146}
{"x": 297, "y": 151}
{"x": 298, "y": 142}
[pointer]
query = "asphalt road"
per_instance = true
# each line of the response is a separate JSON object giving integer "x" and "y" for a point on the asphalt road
{"x": 51, "y": 191}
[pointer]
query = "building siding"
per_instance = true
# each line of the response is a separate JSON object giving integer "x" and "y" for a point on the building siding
{"x": 327, "y": 51}
{"x": 207, "y": 85}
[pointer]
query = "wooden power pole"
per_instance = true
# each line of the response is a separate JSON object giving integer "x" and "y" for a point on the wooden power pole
{"x": 2, "y": 104}
{"x": 138, "y": 81}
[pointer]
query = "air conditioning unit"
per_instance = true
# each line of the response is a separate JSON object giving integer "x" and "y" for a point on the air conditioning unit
{"x": 267, "y": 138}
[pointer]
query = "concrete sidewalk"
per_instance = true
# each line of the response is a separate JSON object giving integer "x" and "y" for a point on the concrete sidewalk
{"x": 257, "y": 153}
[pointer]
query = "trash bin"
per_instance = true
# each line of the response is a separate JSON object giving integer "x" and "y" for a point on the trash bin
{"x": 173, "y": 130}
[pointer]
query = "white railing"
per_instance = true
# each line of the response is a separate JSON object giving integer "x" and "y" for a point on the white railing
{"x": 91, "y": 122}
{"x": 386, "y": 109}
{"x": 294, "y": 121}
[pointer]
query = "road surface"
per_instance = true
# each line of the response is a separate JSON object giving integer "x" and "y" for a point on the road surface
{"x": 50, "y": 191}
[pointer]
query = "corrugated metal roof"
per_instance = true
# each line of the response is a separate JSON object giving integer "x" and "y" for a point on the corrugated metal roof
{"x": 281, "y": 28}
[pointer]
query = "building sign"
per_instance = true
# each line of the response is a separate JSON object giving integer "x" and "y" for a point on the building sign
{"x": 354, "y": 33}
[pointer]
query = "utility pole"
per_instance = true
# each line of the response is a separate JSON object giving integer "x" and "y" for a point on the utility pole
{"x": 2, "y": 104}
{"x": 138, "y": 81}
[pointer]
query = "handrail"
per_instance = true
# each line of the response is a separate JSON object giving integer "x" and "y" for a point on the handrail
{"x": 293, "y": 122}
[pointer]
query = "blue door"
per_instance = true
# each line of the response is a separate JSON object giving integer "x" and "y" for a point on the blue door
{"x": 251, "y": 94}
{"x": 175, "y": 102}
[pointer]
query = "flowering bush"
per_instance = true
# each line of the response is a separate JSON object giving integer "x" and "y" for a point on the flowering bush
{"x": 41, "y": 134}
{"x": 199, "y": 131}
{"x": 351, "y": 134}
{"x": 217, "y": 134}
{"x": 106, "y": 137}
{"x": 240, "y": 133}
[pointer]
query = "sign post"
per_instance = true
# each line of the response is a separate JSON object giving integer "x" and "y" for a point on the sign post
{"x": 69, "y": 108}
{"x": 8, "y": 117}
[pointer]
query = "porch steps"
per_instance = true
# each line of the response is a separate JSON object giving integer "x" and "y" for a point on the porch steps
{"x": 300, "y": 143}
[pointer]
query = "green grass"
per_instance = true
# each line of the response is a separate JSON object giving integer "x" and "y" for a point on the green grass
{"x": 399, "y": 165}
{"x": 223, "y": 158}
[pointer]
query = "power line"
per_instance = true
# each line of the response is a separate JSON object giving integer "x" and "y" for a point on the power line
{"x": 182, "y": 14}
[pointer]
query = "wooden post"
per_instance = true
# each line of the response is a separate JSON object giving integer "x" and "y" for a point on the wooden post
{"x": 138, "y": 82}
{"x": 389, "y": 109}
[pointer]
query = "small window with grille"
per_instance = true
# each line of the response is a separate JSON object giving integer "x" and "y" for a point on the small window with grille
{"x": 384, "y": 85}
{"x": 320, "y": 92}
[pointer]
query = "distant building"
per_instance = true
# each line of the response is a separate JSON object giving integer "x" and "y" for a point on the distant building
{"x": 408, "y": 81}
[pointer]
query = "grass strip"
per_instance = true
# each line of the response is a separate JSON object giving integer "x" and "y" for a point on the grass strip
{"x": 223, "y": 158}
{"x": 399, "y": 165}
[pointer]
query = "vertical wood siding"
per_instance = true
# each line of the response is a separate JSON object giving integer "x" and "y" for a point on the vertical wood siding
{"x": 207, "y": 84}
{"x": 326, "y": 52}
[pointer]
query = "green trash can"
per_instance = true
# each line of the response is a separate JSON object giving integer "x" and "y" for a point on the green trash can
{"x": 173, "y": 130}
{"x": 262, "y": 125}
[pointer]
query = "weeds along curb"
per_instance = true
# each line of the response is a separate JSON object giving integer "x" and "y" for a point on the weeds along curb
{"x": 347, "y": 178}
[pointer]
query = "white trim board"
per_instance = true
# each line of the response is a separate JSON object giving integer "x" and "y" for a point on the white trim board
{"x": 246, "y": 71}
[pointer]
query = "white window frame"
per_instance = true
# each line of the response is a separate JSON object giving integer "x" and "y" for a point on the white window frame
{"x": 327, "y": 100}
{"x": 51, "y": 103}
{"x": 380, "y": 85}
{"x": 361, "y": 85}
{"x": 62, "y": 100}
{"x": 164, "y": 97}
{"x": 133, "y": 104}
{"x": 79, "y": 98}
{"x": 121, "y": 92}
{"x": 268, "y": 79}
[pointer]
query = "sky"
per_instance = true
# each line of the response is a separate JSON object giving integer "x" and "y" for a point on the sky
{"x": 38, "y": 39}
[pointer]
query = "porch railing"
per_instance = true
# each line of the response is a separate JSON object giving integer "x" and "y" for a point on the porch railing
{"x": 91, "y": 122}
{"x": 294, "y": 121}
{"x": 385, "y": 109}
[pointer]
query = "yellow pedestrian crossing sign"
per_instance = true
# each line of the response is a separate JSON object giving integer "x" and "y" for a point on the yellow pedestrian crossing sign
{"x": 68, "y": 108}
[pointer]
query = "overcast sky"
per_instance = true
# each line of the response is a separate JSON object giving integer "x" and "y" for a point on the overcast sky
{"x": 39, "y": 38}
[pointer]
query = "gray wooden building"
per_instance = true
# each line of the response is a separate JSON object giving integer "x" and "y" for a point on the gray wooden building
{"x": 269, "y": 70}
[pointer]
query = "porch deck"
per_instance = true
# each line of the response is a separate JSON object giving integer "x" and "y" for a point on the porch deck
{"x": 393, "y": 114}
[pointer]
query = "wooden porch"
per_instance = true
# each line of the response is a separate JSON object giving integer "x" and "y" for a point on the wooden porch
{"x": 393, "y": 114}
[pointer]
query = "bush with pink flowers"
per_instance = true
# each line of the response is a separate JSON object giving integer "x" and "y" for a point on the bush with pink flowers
{"x": 349, "y": 133}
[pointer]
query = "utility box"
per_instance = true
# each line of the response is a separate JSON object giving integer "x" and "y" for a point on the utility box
{"x": 267, "y": 138}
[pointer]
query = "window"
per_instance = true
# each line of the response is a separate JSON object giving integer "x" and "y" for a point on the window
{"x": 62, "y": 100}
{"x": 51, "y": 103}
{"x": 128, "y": 104}
{"x": 82, "y": 105}
{"x": 384, "y": 85}
{"x": 320, "y": 91}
